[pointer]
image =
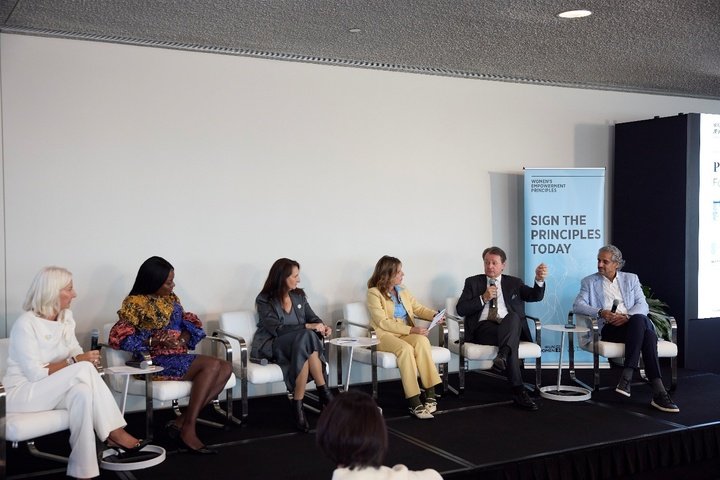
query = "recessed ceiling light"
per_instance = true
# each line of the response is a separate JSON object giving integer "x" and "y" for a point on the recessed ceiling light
{"x": 354, "y": 30}
{"x": 575, "y": 14}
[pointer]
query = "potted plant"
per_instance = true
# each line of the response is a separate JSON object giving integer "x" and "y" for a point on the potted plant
{"x": 657, "y": 314}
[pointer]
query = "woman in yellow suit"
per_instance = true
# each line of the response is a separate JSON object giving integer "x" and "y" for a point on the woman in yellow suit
{"x": 393, "y": 310}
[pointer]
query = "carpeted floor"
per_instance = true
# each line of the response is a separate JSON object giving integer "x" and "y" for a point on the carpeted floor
{"x": 478, "y": 435}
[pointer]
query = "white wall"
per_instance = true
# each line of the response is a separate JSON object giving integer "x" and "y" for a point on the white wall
{"x": 222, "y": 164}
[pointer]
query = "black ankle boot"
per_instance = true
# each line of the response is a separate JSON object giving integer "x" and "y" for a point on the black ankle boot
{"x": 300, "y": 421}
{"x": 324, "y": 395}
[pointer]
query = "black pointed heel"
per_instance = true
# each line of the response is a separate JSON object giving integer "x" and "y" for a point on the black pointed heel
{"x": 204, "y": 450}
{"x": 126, "y": 451}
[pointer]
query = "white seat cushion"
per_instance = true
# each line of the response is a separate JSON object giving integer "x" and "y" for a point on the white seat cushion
{"x": 260, "y": 374}
{"x": 167, "y": 390}
{"x": 20, "y": 427}
{"x": 384, "y": 359}
{"x": 476, "y": 351}
{"x": 529, "y": 350}
{"x": 440, "y": 354}
{"x": 606, "y": 349}
{"x": 389, "y": 360}
{"x": 617, "y": 350}
{"x": 667, "y": 349}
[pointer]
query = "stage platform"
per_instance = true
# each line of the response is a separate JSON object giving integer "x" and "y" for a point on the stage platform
{"x": 479, "y": 435}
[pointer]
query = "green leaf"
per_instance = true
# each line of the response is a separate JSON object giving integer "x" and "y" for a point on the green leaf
{"x": 658, "y": 314}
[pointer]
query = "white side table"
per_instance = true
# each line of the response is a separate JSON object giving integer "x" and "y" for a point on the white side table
{"x": 565, "y": 393}
{"x": 352, "y": 342}
{"x": 127, "y": 371}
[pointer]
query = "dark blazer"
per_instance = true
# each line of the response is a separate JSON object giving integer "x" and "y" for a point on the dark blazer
{"x": 515, "y": 293}
{"x": 270, "y": 321}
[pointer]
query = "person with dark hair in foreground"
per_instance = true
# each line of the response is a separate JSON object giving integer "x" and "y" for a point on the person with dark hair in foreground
{"x": 494, "y": 307}
{"x": 351, "y": 432}
{"x": 290, "y": 334}
{"x": 151, "y": 319}
{"x": 393, "y": 310}
{"x": 617, "y": 300}
{"x": 48, "y": 370}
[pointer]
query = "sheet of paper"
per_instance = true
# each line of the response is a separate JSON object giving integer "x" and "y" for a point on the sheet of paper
{"x": 436, "y": 319}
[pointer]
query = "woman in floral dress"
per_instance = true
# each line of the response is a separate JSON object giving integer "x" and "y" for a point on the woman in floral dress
{"x": 151, "y": 319}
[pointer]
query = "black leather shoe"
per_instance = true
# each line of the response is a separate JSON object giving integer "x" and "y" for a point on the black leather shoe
{"x": 325, "y": 396}
{"x": 523, "y": 400}
{"x": 301, "y": 422}
{"x": 664, "y": 403}
{"x": 500, "y": 362}
{"x": 623, "y": 387}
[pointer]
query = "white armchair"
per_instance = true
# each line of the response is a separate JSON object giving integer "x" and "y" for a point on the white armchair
{"x": 26, "y": 427}
{"x": 356, "y": 323}
{"x": 484, "y": 354}
{"x": 598, "y": 347}
{"x": 238, "y": 328}
{"x": 164, "y": 391}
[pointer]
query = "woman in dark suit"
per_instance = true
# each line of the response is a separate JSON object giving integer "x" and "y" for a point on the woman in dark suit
{"x": 290, "y": 335}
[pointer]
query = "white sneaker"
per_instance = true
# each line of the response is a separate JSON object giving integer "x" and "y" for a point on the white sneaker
{"x": 431, "y": 405}
{"x": 421, "y": 412}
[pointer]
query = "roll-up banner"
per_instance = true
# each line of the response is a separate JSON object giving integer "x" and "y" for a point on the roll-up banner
{"x": 563, "y": 228}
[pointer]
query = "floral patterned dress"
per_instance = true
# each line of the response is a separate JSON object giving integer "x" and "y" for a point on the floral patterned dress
{"x": 151, "y": 316}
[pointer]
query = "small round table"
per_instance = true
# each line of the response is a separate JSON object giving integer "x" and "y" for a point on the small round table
{"x": 352, "y": 342}
{"x": 154, "y": 454}
{"x": 565, "y": 393}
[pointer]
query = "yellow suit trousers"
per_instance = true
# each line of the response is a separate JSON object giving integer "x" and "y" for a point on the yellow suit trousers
{"x": 414, "y": 355}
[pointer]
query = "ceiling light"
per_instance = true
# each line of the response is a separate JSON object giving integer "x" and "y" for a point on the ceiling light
{"x": 575, "y": 14}
{"x": 354, "y": 30}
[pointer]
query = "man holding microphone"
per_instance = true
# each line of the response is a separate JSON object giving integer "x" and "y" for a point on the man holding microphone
{"x": 493, "y": 305}
{"x": 617, "y": 300}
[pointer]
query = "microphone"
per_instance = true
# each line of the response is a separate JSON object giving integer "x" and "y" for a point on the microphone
{"x": 94, "y": 345}
{"x": 141, "y": 364}
{"x": 570, "y": 325}
{"x": 94, "y": 339}
{"x": 491, "y": 283}
{"x": 615, "y": 305}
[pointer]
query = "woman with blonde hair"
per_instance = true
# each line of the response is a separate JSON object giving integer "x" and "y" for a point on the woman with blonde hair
{"x": 48, "y": 370}
{"x": 393, "y": 310}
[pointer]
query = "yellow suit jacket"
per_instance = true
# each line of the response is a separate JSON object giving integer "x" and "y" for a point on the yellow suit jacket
{"x": 382, "y": 312}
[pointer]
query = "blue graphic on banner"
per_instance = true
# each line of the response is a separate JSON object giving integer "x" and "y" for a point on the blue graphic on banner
{"x": 563, "y": 228}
